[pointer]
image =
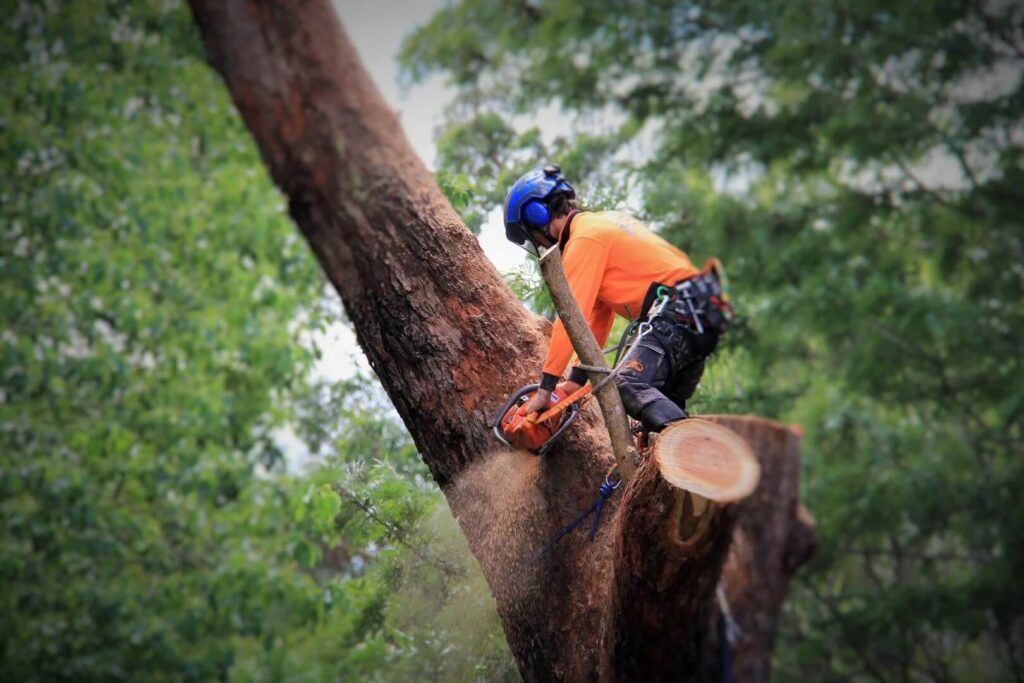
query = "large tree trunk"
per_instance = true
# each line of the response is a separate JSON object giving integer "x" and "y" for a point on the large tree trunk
{"x": 449, "y": 341}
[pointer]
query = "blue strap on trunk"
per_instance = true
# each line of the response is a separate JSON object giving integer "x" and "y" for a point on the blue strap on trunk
{"x": 604, "y": 493}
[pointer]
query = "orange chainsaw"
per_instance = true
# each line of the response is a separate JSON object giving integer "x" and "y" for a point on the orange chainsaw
{"x": 537, "y": 433}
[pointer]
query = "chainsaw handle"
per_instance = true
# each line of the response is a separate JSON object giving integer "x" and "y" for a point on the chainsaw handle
{"x": 563, "y": 404}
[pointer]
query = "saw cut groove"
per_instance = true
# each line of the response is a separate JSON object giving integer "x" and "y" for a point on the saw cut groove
{"x": 707, "y": 459}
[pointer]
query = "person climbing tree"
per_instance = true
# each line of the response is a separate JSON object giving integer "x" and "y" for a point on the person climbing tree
{"x": 650, "y": 610}
{"x": 616, "y": 265}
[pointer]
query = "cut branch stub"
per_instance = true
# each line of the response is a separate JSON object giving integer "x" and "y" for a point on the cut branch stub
{"x": 706, "y": 459}
{"x": 669, "y": 549}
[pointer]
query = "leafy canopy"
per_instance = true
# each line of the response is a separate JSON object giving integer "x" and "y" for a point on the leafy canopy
{"x": 155, "y": 301}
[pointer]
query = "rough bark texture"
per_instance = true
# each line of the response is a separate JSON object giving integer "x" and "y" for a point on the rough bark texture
{"x": 449, "y": 342}
{"x": 672, "y": 634}
{"x": 774, "y": 536}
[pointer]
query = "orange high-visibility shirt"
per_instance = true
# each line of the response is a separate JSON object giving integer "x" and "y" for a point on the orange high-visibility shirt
{"x": 610, "y": 261}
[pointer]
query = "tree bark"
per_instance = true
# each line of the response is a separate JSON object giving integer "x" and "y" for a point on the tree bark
{"x": 449, "y": 342}
{"x": 774, "y": 536}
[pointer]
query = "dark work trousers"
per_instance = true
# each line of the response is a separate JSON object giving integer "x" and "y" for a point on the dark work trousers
{"x": 664, "y": 371}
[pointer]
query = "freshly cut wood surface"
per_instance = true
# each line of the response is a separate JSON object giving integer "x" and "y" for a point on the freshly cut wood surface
{"x": 707, "y": 459}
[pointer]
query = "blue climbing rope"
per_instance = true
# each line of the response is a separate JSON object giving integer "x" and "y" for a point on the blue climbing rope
{"x": 603, "y": 494}
{"x": 726, "y": 650}
{"x": 729, "y": 633}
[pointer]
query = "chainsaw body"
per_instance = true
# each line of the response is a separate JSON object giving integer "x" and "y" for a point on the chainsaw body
{"x": 513, "y": 429}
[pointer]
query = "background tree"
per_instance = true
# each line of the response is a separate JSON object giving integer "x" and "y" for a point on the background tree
{"x": 156, "y": 307}
{"x": 859, "y": 169}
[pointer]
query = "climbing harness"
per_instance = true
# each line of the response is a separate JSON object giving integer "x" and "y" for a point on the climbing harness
{"x": 699, "y": 302}
{"x": 605, "y": 492}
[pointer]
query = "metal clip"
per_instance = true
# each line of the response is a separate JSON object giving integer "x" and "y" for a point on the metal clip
{"x": 695, "y": 315}
{"x": 658, "y": 306}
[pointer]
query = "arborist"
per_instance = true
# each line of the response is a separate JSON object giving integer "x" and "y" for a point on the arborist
{"x": 615, "y": 264}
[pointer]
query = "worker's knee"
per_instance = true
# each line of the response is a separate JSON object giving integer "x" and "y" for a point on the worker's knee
{"x": 648, "y": 405}
{"x": 637, "y": 395}
{"x": 655, "y": 416}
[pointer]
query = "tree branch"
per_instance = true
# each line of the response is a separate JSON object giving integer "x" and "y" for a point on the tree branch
{"x": 590, "y": 353}
{"x": 398, "y": 534}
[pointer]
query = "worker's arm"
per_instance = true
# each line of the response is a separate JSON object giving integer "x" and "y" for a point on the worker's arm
{"x": 584, "y": 266}
{"x": 600, "y": 322}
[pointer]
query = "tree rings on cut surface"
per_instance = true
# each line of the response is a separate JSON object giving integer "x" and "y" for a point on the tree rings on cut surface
{"x": 706, "y": 459}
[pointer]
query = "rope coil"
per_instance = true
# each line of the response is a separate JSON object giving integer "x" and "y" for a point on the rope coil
{"x": 604, "y": 492}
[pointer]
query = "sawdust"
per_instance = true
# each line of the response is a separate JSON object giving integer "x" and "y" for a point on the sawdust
{"x": 501, "y": 491}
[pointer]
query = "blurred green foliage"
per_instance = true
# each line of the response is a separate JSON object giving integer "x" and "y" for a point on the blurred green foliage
{"x": 157, "y": 308}
{"x": 858, "y": 167}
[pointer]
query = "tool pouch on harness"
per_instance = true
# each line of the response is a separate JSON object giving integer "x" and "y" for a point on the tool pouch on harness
{"x": 700, "y": 302}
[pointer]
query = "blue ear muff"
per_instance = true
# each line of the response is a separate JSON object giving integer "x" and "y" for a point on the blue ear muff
{"x": 536, "y": 214}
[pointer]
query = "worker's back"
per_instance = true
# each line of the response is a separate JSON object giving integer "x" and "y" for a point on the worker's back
{"x": 631, "y": 254}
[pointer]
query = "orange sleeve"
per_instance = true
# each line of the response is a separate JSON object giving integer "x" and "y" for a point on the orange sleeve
{"x": 600, "y": 321}
{"x": 584, "y": 268}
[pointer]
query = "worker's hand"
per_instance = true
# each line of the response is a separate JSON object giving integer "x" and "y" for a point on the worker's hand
{"x": 568, "y": 387}
{"x": 538, "y": 404}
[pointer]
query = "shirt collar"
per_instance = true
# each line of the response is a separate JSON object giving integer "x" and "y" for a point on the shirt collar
{"x": 563, "y": 239}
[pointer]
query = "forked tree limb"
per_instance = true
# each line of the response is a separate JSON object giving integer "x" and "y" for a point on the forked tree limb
{"x": 448, "y": 341}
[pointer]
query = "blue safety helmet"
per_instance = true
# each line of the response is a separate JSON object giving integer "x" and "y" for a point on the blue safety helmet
{"x": 526, "y": 206}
